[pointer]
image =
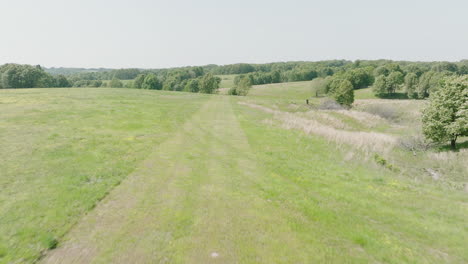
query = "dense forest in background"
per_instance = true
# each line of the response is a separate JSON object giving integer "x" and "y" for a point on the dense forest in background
{"x": 415, "y": 79}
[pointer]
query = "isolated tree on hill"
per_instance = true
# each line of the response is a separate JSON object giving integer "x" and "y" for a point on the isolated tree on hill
{"x": 209, "y": 83}
{"x": 446, "y": 117}
{"x": 242, "y": 87}
{"x": 344, "y": 93}
{"x": 115, "y": 83}
{"x": 151, "y": 82}
{"x": 411, "y": 82}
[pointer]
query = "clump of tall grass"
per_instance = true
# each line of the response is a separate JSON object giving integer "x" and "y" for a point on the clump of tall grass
{"x": 384, "y": 111}
{"x": 365, "y": 118}
{"x": 326, "y": 118}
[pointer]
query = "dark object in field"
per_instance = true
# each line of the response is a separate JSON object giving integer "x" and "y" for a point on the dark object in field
{"x": 307, "y": 101}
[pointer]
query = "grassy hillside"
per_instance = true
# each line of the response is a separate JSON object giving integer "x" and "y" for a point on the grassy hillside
{"x": 63, "y": 150}
{"x": 123, "y": 175}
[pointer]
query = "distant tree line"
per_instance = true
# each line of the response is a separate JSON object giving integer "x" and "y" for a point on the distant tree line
{"x": 415, "y": 79}
{"x": 27, "y": 76}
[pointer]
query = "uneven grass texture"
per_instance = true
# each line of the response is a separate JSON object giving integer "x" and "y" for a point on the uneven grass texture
{"x": 220, "y": 185}
{"x": 62, "y": 150}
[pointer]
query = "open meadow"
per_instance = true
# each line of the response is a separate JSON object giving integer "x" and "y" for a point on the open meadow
{"x": 104, "y": 175}
{"x": 234, "y": 132}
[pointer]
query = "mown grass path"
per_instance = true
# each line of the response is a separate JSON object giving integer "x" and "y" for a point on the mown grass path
{"x": 190, "y": 201}
{"x": 231, "y": 187}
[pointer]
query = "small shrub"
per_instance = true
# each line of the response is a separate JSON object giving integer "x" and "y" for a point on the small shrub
{"x": 49, "y": 241}
{"x": 380, "y": 160}
{"x": 384, "y": 163}
{"x": 232, "y": 91}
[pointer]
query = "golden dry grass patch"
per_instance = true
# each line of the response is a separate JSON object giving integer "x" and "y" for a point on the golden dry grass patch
{"x": 362, "y": 140}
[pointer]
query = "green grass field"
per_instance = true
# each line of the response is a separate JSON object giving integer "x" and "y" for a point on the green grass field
{"x": 135, "y": 176}
{"x": 227, "y": 81}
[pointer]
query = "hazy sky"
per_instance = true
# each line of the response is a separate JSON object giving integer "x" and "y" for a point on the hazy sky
{"x": 154, "y": 34}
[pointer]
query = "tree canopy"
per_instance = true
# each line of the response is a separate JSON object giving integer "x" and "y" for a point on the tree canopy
{"x": 446, "y": 117}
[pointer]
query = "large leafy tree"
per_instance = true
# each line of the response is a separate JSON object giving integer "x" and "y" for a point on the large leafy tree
{"x": 446, "y": 117}
{"x": 209, "y": 83}
{"x": 344, "y": 93}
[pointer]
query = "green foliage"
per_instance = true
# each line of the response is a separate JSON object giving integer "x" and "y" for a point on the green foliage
{"x": 151, "y": 82}
{"x": 360, "y": 77}
{"x": 446, "y": 117}
{"x": 115, "y": 83}
{"x": 344, "y": 93}
{"x": 411, "y": 82}
{"x": 209, "y": 83}
{"x": 445, "y": 66}
{"x": 429, "y": 82}
{"x": 242, "y": 87}
{"x": 394, "y": 79}
{"x": 320, "y": 86}
{"x": 384, "y": 163}
{"x": 380, "y": 86}
{"x": 387, "y": 85}
{"x": 138, "y": 82}
{"x": 192, "y": 86}
{"x": 26, "y": 76}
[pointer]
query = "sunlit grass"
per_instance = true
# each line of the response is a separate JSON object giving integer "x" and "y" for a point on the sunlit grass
{"x": 62, "y": 150}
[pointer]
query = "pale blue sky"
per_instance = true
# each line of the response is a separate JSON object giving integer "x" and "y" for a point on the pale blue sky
{"x": 155, "y": 34}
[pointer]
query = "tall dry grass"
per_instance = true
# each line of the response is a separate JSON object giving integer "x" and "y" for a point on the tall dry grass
{"x": 371, "y": 141}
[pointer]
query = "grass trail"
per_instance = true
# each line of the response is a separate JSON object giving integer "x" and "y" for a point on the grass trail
{"x": 210, "y": 181}
{"x": 191, "y": 201}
